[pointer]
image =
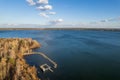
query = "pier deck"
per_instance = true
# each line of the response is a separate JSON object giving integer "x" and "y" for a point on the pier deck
{"x": 46, "y": 57}
{"x": 46, "y": 67}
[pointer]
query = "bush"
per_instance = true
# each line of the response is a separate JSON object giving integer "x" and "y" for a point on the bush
{"x": 12, "y": 61}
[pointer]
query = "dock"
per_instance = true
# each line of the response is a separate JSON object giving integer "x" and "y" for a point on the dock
{"x": 44, "y": 67}
{"x": 46, "y": 57}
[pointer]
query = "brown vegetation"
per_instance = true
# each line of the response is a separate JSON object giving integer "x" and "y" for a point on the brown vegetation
{"x": 12, "y": 63}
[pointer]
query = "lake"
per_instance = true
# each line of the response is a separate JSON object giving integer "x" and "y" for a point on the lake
{"x": 80, "y": 54}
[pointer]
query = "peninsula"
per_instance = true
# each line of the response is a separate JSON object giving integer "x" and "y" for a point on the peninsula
{"x": 12, "y": 64}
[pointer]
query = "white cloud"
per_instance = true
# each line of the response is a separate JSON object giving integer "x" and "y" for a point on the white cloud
{"x": 42, "y": 1}
{"x": 52, "y": 13}
{"x": 59, "y": 20}
{"x": 44, "y": 15}
{"x": 44, "y": 8}
{"x": 31, "y": 2}
{"x": 11, "y": 24}
{"x": 54, "y": 22}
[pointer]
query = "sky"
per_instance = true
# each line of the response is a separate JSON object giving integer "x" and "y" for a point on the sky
{"x": 65, "y": 13}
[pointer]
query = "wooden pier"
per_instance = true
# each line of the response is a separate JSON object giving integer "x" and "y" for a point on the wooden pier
{"x": 44, "y": 67}
{"x": 46, "y": 57}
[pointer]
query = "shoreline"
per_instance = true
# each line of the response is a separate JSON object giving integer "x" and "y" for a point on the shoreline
{"x": 96, "y": 29}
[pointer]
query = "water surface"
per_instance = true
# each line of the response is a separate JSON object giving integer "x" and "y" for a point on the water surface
{"x": 80, "y": 54}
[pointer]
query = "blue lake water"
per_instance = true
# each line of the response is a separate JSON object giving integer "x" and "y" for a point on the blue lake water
{"x": 80, "y": 54}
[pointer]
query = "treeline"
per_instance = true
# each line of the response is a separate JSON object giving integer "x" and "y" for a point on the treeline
{"x": 99, "y": 29}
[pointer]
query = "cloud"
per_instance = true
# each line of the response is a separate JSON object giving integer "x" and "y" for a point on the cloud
{"x": 105, "y": 23}
{"x": 44, "y": 8}
{"x": 52, "y": 13}
{"x": 114, "y": 19}
{"x": 42, "y": 1}
{"x": 111, "y": 19}
{"x": 104, "y": 20}
{"x": 54, "y": 22}
{"x": 31, "y": 2}
{"x": 44, "y": 15}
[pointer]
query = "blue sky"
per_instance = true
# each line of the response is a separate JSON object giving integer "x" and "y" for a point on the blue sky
{"x": 80, "y": 13}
